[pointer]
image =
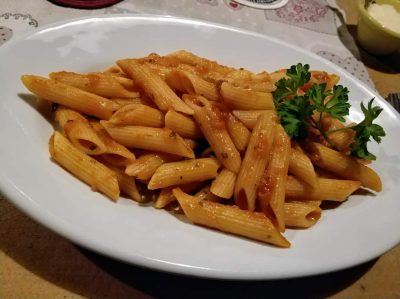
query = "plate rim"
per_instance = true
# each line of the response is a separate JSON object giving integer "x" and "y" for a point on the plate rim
{"x": 23, "y": 202}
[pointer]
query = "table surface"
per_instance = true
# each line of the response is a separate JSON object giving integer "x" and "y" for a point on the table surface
{"x": 36, "y": 263}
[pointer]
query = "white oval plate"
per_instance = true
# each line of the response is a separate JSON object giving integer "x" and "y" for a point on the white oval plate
{"x": 360, "y": 229}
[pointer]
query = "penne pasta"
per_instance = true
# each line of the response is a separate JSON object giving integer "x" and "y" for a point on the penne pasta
{"x": 203, "y": 65}
{"x": 272, "y": 189}
{"x": 153, "y": 139}
{"x": 184, "y": 125}
{"x": 183, "y": 172}
{"x": 191, "y": 143}
{"x": 254, "y": 162}
{"x": 340, "y": 139}
{"x": 190, "y": 83}
{"x": 210, "y": 141}
{"x": 321, "y": 173}
{"x": 100, "y": 84}
{"x": 316, "y": 203}
{"x": 138, "y": 115}
{"x": 301, "y": 167}
{"x": 224, "y": 184}
{"x": 249, "y": 117}
{"x": 230, "y": 219}
{"x": 248, "y": 80}
{"x": 113, "y": 70}
{"x": 277, "y": 75}
{"x": 128, "y": 185}
{"x": 326, "y": 189}
{"x": 146, "y": 165}
{"x": 206, "y": 194}
{"x": 343, "y": 165}
{"x": 186, "y": 57}
{"x": 85, "y": 168}
{"x": 166, "y": 196}
{"x": 301, "y": 215}
{"x": 212, "y": 125}
{"x": 239, "y": 133}
{"x": 245, "y": 99}
{"x": 115, "y": 153}
{"x": 154, "y": 86}
{"x": 125, "y": 102}
{"x": 78, "y": 130}
{"x": 69, "y": 96}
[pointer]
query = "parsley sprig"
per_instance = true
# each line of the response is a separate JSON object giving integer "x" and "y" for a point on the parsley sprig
{"x": 294, "y": 115}
{"x": 367, "y": 129}
{"x": 298, "y": 75}
{"x": 295, "y": 111}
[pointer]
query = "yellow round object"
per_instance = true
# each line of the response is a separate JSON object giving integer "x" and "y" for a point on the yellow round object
{"x": 372, "y": 35}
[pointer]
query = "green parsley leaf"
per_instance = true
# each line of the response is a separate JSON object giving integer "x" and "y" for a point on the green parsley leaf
{"x": 298, "y": 76}
{"x": 293, "y": 114}
{"x": 317, "y": 94}
{"x": 367, "y": 129}
{"x": 336, "y": 106}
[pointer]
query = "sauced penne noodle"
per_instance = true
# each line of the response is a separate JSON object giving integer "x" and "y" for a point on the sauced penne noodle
{"x": 69, "y": 96}
{"x": 277, "y": 75}
{"x": 166, "y": 196}
{"x": 202, "y": 63}
{"x": 79, "y": 132}
{"x": 141, "y": 100}
{"x": 239, "y": 133}
{"x": 191, "y": 143}
{"x": 230, "y": 219}
{"x": 245, "y": 99}
{"x": 246, "y": 153}
{"x": 316, "y": 203}
{"x": 191, "y": 83}
{"x": 113, "y": 70}
{"x": 153, "y": 139}
{"x": 115, "y": 153}
{"x": 187, "y": 57}
{"x": 183, "y": 172}
{"x": 301, "y": 167}
{"x": 87, "y": 169}
{"x": 127, "y": 184}
{"x": 213, "y": 127}
{"x": 206, "y": 194}
{"x": 248, "y": 80}
{"x": 302, "y": 215}
{"x": 254, "y": 162}
{"x": 224, "y": 184}
{"x": 249, "y": 117}
{"x": 326, "y": 189}
{"x": 146, "y": 165}
{"x": 320, "y": 77}
{"x": 343, "y": 165}
{"x": 100, "y": 84}
{"x": 138, "y": 115}
{"x": 340, "y": 139}
{"x": 124, "y": 102}
{"x": 182, "y": 124}
{"x": 273, "y": 184}
{"x": 154, "y": 86}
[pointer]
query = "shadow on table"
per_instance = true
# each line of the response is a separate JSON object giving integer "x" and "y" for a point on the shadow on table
{"x": 166, "y": 285}
{"x": 86, "y": 273}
